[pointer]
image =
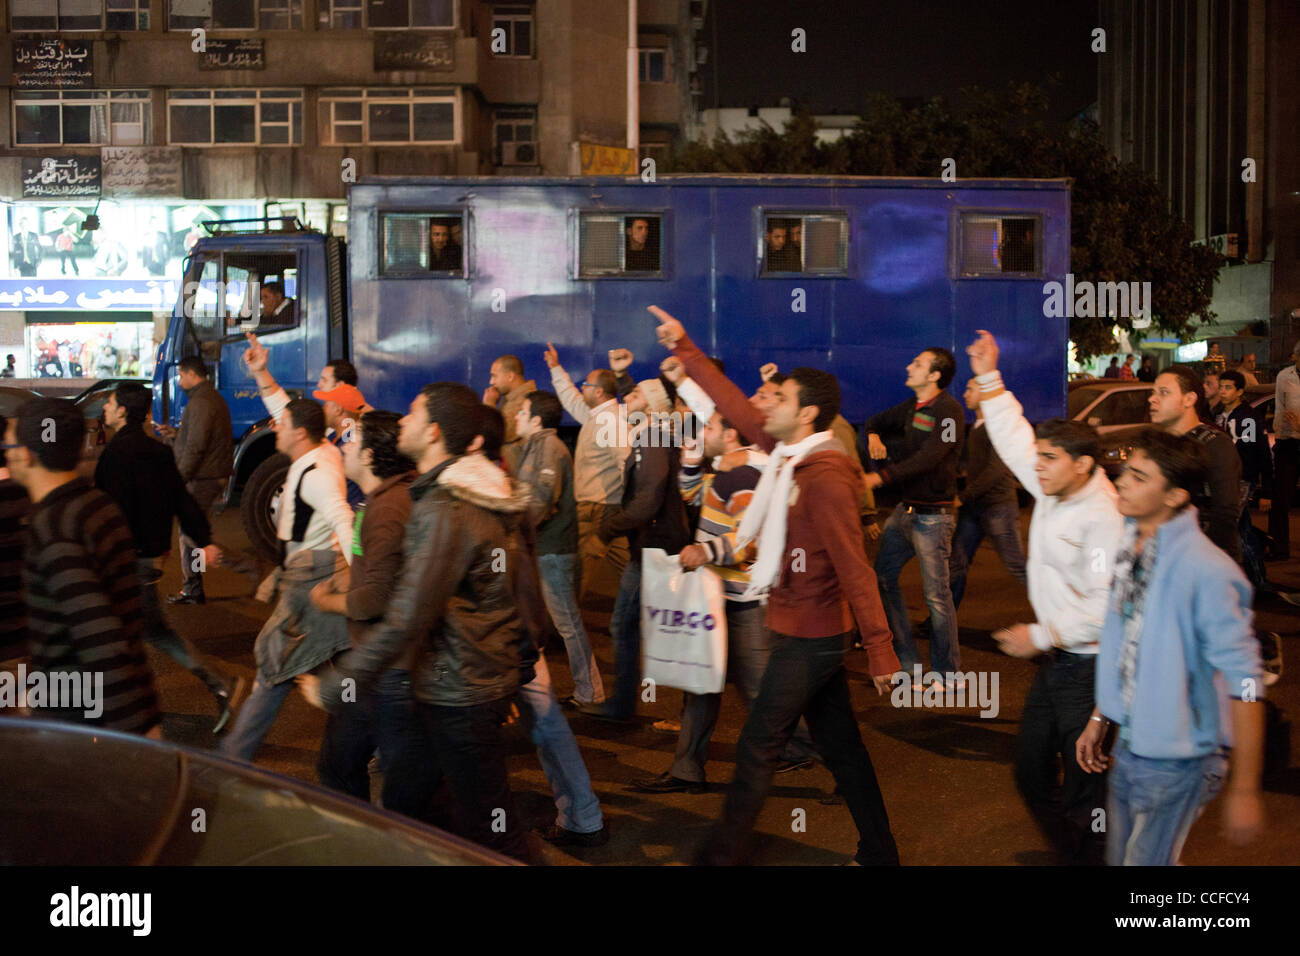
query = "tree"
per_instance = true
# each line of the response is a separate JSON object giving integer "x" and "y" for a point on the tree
{"x": 1120, "y": 223}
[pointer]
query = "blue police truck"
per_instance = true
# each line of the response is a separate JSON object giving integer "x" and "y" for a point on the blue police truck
{"x": 851, "y": 274}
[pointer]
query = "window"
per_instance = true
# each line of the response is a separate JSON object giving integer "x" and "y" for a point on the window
{"x": 420, "y": 243}
{"x": 256, "y": 292}
{"x": 235, "y": 117}
{"x": 655, "y": 66}
{"x": 387, "y": 14}
{"x": 514, "y": 137}
{"x": 807, "y": 243}
{"x": 613, "y": 244}
{"x": 997, "y": 245}
{"x": 234, "y": 14}
{"x": 79, "y": 15}
{"x": 81, "y": 117}
{"x": 1127, "y": 406}
{"x": 380, "y": 116}
{"x": 517, "y": 24}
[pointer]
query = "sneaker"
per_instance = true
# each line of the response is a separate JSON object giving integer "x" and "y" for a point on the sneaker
{"x": 1270, "y": 648}
{"x": 559, "y": 836}
{"x": 667, "y": 783}
{"x": 790, "y": 766}
{"x": 188, "y": 597}
{"x": 1291, "y": 597}
{"x": 667, "y": 726}
{"x": 228, "y": 700}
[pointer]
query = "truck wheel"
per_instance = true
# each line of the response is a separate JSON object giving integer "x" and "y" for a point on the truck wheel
{"x": 260, "y": 505}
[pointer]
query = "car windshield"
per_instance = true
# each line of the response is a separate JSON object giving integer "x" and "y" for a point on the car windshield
{"x": 1080, "y": 399}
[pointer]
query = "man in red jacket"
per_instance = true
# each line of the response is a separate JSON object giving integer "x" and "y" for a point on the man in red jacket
{"x": 812, "y": 568}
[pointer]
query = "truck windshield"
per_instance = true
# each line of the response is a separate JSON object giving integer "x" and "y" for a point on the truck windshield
{"x": 235, "y": 292}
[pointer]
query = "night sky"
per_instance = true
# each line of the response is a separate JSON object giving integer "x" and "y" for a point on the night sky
{"x": 908, "y": 48}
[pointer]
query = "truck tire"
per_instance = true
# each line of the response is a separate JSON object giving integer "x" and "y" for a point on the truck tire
{"x": 260, "y": 505}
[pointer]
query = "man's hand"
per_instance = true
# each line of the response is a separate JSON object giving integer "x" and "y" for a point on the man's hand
{"x": 670, "y": 331}
{"x": 256, "y": 355}
{"x": 1087, "y": 750}
{"x": 983, "y": 353}
{"x": 872, "y": 480}
{"x": 884, "y": 683}
{"x": 767, "y": 371}
{"x": 1243, "y": 816}
{"x": 491, "y": 396}
{"x": 320, "y": 593}
{"x": 693, "y": 556}
{"x": 620, "y": 359}
{"x": 212, "y": 556}
{"x": 1016, "y": 641}
{"x": 673, "y": 370}
{"x": 876, "y": 448}
{"x": 165, "y": 431}
{"x": 551, "y": 356}
{"x": 873, "y": 531}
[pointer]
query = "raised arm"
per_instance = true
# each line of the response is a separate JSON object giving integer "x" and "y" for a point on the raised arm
{"x": 1010, "y": 433}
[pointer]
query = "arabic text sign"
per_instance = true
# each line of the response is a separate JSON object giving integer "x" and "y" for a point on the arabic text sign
{"x": 142, "y": 170}
{"x": 60, "y": 176}
{"x": 607, "y": 160}
{"x": 246, "y": 54}
{"x": 411, "y": 51}
{"x": 52, "y": 65}
{"x": 99, "y": 295}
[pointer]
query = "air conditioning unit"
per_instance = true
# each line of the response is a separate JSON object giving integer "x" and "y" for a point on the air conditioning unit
{"x": 518, "y": 154}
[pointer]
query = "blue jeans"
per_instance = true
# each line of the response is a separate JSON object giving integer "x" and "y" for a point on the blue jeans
{"x": 576, "y": 806}
{"x": 929, "y": 538}
{"x": 1001, "y": 524}
{"x": 1252, "y": 556}
{"x": 255, "y": 718}
{"x": 749, "y": 647}
{"x": 1153, "y": 804}
{"x": 625, "y": 631}
{"x": 560, "y": 593}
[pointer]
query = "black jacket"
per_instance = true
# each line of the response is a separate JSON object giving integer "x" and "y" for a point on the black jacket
{"x": 1220, "y": 514}
{"x": 988, "y": 480}
{"x": 140, "y": 474}
{"x": 926, "y": 472}
{"x": 1252, "y": 446}
{"x": 651, "y": 513}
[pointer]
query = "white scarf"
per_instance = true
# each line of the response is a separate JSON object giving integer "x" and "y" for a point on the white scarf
{"x": 767, "y": 512}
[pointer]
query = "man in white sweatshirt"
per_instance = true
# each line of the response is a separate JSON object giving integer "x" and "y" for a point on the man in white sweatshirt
{"x": 1073, "y": 537}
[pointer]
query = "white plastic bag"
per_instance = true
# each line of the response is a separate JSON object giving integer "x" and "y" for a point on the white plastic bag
{"x": 683, "y": 624}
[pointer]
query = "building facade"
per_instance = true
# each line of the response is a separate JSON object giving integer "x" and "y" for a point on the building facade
{"x": 126, "y": 123}
{"x": 1203, "y": 95}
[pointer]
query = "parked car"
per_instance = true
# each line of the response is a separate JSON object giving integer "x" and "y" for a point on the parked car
{"x": 12, "y": 399}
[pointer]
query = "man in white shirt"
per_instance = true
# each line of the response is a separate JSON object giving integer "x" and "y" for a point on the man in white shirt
{"x": 315, "y": 534}
{"x": 1073, "y": 537}
{"x": 597, "y": 463}
{"x": 1286, "y": 455}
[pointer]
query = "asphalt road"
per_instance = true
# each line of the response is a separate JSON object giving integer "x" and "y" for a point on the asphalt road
{"x": 946, "y": 774}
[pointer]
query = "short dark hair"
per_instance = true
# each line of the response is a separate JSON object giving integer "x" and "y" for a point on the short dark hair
{"x": 670, "y": 388}
{"x": 1076, "y": 439}
{"x": 510, "y": 363}
{"x": 1235, "y": 377}
{"x": 379, "y": 431}
{"x": 309, "y": 416}
{"x": 135, "y": 401}
{"x": 61, "y": 450}
{"x": 453, "y": 408}
{"x": 776, "y": 378}
{"x": 1189, "y": 381}
{"x": 607, "y": 381}
{"x": 491, "y": 426}
{"x": 941, "y": 361}
{"x": 276, "y": 287}
{"x": 740, "y": 436}
{"x": 818, "y": 388}
{"x": 545, "y": 406}
{"x": 192, "y": 363}
{"x": 344, "y": 371}
{"x": 1183, "y": 461}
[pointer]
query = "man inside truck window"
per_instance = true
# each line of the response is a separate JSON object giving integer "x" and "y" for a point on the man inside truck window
{"x": 641, "y": 254}
{"x": 444, "y": 254}
{"x": 781, "y": 255}
{"x": 276, "y": 309}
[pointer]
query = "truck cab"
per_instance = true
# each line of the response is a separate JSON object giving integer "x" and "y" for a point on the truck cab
{"x": 284, "y": 282}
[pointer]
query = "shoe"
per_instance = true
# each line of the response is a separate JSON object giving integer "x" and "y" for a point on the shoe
{"x": 667, "y": 783}
{"x": 668, "y": 726}
{"x": 1270, "y": 649}
{"x": 559, "y": 836}
{"x": 187, "y": 597}
{"x": 1291, "y": 597}
{"x": 572, "y": 703}
{"x": 790, "y": 766}
{"x": 228, "y": 698}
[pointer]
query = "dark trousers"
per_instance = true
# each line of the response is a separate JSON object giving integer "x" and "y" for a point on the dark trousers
{"x": 384, "y": 718}
{"x": 1286, "y": 463}
{"x": 160, "y": 634}
{"x": 805, "y": 677}
{"x": 463, "y": 745}
{"x": 206, "y": 492}
{"x": 1000, "y": 523}
{"x": 1057, "y": 709}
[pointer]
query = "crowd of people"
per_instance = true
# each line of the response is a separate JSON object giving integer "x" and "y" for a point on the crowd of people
{"x": 427, "y": 554}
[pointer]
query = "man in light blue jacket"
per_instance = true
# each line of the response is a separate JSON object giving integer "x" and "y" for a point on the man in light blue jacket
{"x": 1178, "y": 670}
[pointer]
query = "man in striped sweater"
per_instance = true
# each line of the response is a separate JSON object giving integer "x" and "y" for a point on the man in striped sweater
{"x": 723, "y": 495}
{"x": 83, "y": 595}
{"x": 14, "y": 508}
